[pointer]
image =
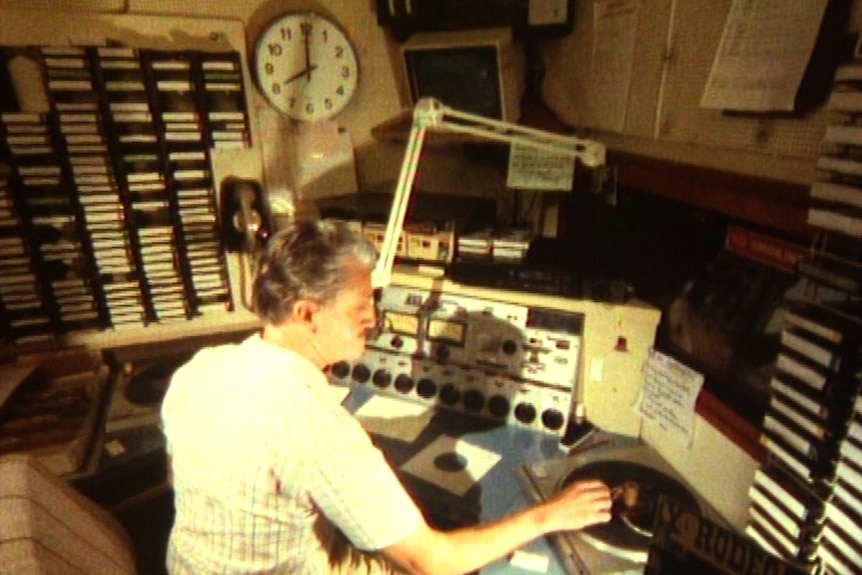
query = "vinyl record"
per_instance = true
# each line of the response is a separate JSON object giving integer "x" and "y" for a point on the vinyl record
{"x": 636, "y": 490}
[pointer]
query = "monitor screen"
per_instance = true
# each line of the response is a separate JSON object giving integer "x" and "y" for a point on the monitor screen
{"x": 465, "y": 78}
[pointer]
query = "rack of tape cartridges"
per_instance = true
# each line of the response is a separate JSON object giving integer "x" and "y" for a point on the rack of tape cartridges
{"x": 108, "y": 214}
{"x": 806, "y": 501}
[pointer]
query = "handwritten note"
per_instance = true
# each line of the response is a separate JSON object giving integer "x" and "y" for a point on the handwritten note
{"x": 669, "y": 395}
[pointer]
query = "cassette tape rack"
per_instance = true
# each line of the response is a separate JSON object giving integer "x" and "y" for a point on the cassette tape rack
{"x": 108, "y": 215}
{"x": 806, "y": 501}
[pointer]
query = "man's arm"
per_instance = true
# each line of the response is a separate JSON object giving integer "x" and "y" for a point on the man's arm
{"x": 430, "y": 552}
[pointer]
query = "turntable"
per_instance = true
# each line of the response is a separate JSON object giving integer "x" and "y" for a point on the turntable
{"x": 637, "y": 476}
{"x": 140, "y": 375}
{"x": 138, "y": 389}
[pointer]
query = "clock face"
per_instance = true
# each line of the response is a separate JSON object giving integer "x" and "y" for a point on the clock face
{"x": 306, "y": 67}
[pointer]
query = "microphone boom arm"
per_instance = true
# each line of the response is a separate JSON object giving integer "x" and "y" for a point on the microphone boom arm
{"x": 431, "y": 114}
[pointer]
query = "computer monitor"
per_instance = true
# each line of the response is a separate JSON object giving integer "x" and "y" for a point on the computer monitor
{"x": 476, "y": 71}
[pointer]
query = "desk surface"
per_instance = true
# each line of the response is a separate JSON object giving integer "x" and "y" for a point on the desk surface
{"x": 496, "y": 494}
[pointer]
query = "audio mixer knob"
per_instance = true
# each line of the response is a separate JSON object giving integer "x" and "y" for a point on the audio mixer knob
{"x": 340, "y": 369}
{"x": 498, "y": 406}
{"x": 404, "y": 383}
{"x": 450, "y": 395}
{"x": 397, "y": 342}
{"x": 474, "y": 400}
{"x": 525, "y": 413}
{"x": 426, "y": 388}
{"x": 442, "y": 352}
{"x": 382, "y": 378}
{"x": 553, "y": 419}
{"x": 360, "y": 373}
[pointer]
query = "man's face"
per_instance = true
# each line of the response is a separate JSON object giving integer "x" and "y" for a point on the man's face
{"x": 342, "y": 322}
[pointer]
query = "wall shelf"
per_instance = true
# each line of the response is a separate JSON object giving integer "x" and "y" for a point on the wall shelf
{"x": 778, "y": 206}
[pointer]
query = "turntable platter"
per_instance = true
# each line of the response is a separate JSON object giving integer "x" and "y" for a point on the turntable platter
{"x": 139, "y": 391}
{"x": 635, "y": 490}
{"x": 148, "y": 386}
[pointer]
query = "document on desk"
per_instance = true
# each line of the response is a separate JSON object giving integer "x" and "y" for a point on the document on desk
{"x": 394, "y": 418}
{"x": 451, "y": 463}
{"x": 763, "y": 53}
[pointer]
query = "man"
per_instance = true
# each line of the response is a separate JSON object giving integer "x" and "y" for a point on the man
{"x": 272, "y": 475}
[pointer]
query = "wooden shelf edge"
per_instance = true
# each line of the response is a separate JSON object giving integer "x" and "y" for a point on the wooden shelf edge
{"x": 741, "y": 432}
{"x": 776, "y": 205}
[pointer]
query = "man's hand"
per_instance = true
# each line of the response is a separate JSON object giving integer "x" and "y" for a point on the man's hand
{"x": 578, "y": 505}
{"x": 431, "y": 552}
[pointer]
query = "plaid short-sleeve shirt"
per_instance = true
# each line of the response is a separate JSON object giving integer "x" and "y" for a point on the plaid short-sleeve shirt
{"x": 267, "y": 466}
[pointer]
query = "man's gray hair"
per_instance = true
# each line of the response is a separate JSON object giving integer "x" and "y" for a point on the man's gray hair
{"x": 307, "y": 260}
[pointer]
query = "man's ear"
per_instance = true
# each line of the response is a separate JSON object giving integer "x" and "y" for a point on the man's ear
{"x": 303, "y": 312}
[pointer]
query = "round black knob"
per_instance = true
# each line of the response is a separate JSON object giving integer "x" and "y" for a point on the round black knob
{"x": 340, "y": 369}
{"x": 442, "y": 352}
{"x": 525, "y": 413}
{"x": 474, "y": 400}
{"x": 403, "y": 383}
{"x": 426, "y": 388}
{"x": 450, "y": 395}
{"x": 553, "y": 419}
{"x": 360, "y": 373}
{"x": 498, "y": 406}
{"x": 509, "y": 347}
{"x": 397, "y": 342}
{"x": 382, "y": 378}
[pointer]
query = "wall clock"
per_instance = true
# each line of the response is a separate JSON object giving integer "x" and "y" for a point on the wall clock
{"x": 306, "y": 66}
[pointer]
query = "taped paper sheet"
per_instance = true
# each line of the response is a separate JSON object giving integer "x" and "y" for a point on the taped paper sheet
{"x": 669, "y": 395}
{"x": 763, "y": 54}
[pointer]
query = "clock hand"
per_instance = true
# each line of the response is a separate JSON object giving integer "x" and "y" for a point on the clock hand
{"x": 308, "y": 66}
{"x": 300, "y": 74}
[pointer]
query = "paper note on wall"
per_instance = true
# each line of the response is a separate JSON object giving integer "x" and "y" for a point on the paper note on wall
{"x": 535, "y": 169}
{"x": 324, "y": 161}
{"x": 764, "y": 52}
{"x": 615, "y": 25}
{"x": 669, "y": 394}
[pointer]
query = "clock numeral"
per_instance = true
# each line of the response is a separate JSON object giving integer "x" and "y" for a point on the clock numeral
{"x": 309, "y": 108}
{"x": 345, "y": 72}
{"x": 340, "y": 90}
{"x": 306, "y": 29}
{"x": 274, "y": 49}
{"x": 339, "y": 51}
{"x": 269, "y": 69}
{"x": 276, "y": 88}
{"x": 327, "y": 103}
